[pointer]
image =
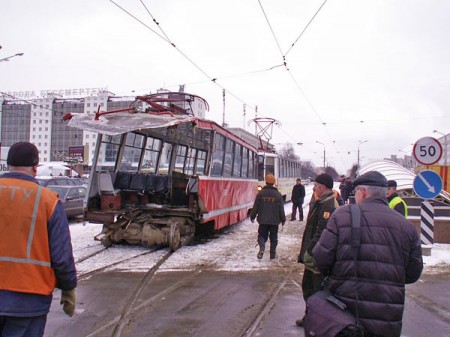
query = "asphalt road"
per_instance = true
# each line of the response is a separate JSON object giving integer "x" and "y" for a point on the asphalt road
{"x": 220, "y": 304}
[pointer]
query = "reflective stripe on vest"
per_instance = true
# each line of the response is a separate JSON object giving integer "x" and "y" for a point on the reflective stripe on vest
{"x": 24, "y": 246}
{"x": 395, "y": 201}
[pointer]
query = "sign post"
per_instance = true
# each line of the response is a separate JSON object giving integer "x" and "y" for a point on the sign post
{"x": 427, "y": 185}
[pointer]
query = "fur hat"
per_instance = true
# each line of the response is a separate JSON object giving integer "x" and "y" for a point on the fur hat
{"x": 23, "y": 154}
{"x": 371, "y": 178}
{"x": 325, "y": 179}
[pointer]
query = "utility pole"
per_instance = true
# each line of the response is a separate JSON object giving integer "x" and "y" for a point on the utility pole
{"x": 323, "y": 153}
{"x": 359, "y": 143}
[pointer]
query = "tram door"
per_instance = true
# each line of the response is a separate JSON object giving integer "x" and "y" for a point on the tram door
{"x": 266, "y": 165}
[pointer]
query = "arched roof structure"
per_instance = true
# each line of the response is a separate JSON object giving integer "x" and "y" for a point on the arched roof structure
{"x": 404, "y": 178}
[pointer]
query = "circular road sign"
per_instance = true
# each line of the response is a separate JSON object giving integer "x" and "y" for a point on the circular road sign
{"x": 427, "y": 150}
{"x": 427, "y": 184}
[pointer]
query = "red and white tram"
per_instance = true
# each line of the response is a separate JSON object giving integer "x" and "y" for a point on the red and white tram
{"x": 286, "y": 171}
{"x": 161, "y": 174}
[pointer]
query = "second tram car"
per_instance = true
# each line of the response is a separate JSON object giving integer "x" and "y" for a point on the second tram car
{"x": 285, "y": 171}
{"x": 160, "y": 174}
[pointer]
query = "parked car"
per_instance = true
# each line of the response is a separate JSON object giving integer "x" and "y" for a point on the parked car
{"x": 73, "y": 198}
{"x": 60, "y": 181}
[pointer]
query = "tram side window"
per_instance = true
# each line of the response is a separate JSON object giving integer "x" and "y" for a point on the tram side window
{"x": 228, "y": 162}
{"x": 190, "y": 161}
{"x": 164, "y": 160}
{"x": 237, "y": 160}
{"x": 261, "y": 168}
{"x": 180, "y": 158}
{"x": 201, "y": 162}
{"x": 245, "y": 162}
{"x": 270, "y": 166}
{"x": 132, "y": 152}
{"x": 151, "y": 153}
{"x": 251, "y": 166}
{"x": 109, "y": 150}
{"x": 282, "y": 167}
{"x": 217, "y": 156}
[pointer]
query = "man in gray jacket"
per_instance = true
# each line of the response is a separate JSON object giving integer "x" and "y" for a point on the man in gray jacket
{"x": 389, "y": 256}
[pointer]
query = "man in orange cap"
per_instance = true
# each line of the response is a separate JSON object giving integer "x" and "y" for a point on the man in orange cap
{"x": 269, "y": 210}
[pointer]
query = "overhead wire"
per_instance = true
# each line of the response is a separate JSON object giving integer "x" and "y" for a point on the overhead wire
{"x": 168, "y": 40}
{"x": 297, "y": 84}
{"x": 304, "y": 29}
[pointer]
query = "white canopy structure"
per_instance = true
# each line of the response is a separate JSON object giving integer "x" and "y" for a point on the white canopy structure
{"x": 404, "y": 178}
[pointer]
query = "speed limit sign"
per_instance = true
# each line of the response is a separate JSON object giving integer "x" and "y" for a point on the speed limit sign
{"x": 427, "y": 150}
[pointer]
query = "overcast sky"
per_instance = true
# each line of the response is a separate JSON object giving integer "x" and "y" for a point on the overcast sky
{"x": 373, "y": 70}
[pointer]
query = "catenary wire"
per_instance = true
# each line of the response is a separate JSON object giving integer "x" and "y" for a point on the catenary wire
{"x": 212, "y": 79}
{"x": 304, "y": 29}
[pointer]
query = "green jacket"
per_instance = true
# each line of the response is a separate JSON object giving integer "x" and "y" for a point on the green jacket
{"x": 319, "y": 213}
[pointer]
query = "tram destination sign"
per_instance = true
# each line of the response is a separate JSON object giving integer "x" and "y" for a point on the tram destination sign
{"x": 427, "y": 150}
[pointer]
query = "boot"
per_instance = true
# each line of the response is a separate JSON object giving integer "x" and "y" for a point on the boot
{"x": 260, "y": 254}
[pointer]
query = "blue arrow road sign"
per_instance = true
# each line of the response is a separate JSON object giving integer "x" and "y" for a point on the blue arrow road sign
{"x": 427, "y": 184}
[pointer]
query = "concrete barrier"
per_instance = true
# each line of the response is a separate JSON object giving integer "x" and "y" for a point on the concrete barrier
{"x": 441, "y": 228}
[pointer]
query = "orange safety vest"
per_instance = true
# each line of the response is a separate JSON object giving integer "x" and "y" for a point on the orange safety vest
{"x": 25, "y": 264}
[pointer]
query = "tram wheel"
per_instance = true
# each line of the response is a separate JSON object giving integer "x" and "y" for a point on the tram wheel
{"x": 106, "y": 241}
{"x": 174, "y": 237}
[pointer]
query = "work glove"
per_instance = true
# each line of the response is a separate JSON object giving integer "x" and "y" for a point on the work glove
{"x": 309, "y": 263}
{"x": 68, "y": 301}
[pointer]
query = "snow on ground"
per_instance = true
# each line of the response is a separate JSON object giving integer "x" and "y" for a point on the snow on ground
{"x": 234, "y": 249}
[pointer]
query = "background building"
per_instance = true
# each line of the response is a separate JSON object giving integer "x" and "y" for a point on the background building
{"x": 40, "y": 121}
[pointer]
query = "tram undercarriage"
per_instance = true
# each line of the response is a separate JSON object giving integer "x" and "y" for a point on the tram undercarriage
{"x": 142, "y": 227}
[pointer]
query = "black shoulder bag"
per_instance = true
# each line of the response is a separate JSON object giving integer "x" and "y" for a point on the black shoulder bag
{"x": 326, "y": 315}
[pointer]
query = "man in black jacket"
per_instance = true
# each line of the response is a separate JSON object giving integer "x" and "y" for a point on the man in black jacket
{"x": 389, "y": 256}
{"x": 298, "y": 197}
{"x": 269, "y": 207}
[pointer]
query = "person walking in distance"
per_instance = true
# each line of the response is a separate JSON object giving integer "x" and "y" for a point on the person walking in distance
{"x": 35, "y": 248}
{"x": 389, "y": 256}
{"x": 268, "y": 209}
{"x": 318, "y": 215}
{"x": 395, "y": 202}
{"x": 298, "y": 197}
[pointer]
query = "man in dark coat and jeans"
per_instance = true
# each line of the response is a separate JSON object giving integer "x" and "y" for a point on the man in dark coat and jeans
{"x": 298, "y": 197}
{"x": 269, "y": 207}
{"x": 389, "y": 256}
{"x": 319, "y": 213}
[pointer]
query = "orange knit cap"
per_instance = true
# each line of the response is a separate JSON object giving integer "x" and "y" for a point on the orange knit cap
{"x": 270, "y": 179}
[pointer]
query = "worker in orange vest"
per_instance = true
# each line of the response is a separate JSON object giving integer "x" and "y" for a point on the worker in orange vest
{"x": 35, "y": 248}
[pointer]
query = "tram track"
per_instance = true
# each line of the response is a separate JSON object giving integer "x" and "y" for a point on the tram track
{"x": 264, "y": 310}
{"x": 85, "y": 275}
{"x": 119, "y": 323}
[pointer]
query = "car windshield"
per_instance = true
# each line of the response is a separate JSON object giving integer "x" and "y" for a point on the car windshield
{"x": 58, "y": 189}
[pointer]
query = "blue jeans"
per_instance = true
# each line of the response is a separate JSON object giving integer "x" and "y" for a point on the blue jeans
{"x": 22, "y": 326}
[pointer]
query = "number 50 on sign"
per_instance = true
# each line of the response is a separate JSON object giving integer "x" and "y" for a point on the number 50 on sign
{"x": 427, "y": 150}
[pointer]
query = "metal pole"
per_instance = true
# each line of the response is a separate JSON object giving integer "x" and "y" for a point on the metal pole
{"x": 359, "y": 143}
{"x": 323, "y": 152}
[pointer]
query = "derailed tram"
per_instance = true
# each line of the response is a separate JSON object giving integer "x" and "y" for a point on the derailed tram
{"x": 160, "y": 174}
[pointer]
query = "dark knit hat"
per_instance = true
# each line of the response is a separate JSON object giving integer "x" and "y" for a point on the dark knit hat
{"x": 371, "y": 178}
{"x": 392, "y": 183}
{"x": 23, "y": 154}
{"x": 325, "y": 179}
